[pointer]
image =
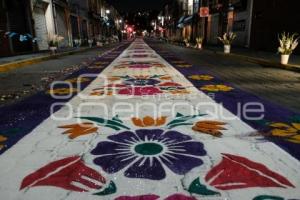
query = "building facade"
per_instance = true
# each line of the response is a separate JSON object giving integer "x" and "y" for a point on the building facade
{"x": 27, "y": 25}
{"x": 79, "y": 18}
{"x": 16, "y": 27}
{"x": 271, "y": 18}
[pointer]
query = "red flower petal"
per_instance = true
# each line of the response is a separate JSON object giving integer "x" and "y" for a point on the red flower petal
{"x": 116, "y": 85}
{"x": 180, "y": 197}
{"x": 63, "y": 173}
{"x": 139, "y": 91}
{"x": 170, "y": 84}
{"x": 142, "y": 197}
{"x": 235, "y": 172}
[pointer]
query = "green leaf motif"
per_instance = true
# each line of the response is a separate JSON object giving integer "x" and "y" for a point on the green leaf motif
{"x": 116, "y": 118}
{"x": 111, "y": 189}
{"x": 197, "y": 188}
{"x": 179, "y": 115}
{"x": 267, "y": 197}
{"x": 107, "y": 123}
{"x": 180, "y": 124}
{"x": 181, "y": 119}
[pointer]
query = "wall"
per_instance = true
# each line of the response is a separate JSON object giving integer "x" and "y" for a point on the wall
{"x": 242, "y": 25}
{"x": 271, "y": 17}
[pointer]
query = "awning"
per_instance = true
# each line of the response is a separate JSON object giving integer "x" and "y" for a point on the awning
{"x": 188, "y": 19}
{"x": 180, "y": 22}
{"x": 62, "y": 3}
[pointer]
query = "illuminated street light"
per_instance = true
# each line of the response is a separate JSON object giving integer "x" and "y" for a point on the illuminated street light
{"x": 107, "y": 11}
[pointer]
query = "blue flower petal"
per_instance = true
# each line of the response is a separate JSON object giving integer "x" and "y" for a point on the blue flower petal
{"x": 143, "y": 168}
{"x": 175, "y": 137}
{"x": 126, "y": 137}
{"x": 146, "y": 134}
{"x": 180, "y": 164}
{"x": 114, "y": 163}
{"x": 110, "y": 148}
{"x": 191, "y": 148}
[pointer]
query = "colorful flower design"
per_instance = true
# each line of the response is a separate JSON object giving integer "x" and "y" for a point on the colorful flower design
{"x": 269, "y": 197}
{"x": 156, "y": 197}
{"x": 210, "y": 127}
{"x": 149, "y": 121}
{"x": 2, "y": 140}
{"x": 166, "y": 78}
{"x": 140, "y": 91}
{"x": 141, "y": 81}
{"x": 216, "y": 88}
{"x": 114, "y": 78}
{"x": 65, "y": 173}
{"x": 141, "y": 197}
{"x": 201, "y": 77}
{"x": 62, "y": 91}
{"x": 290, "y": 132}
{"x": 173, "y": 88}
{"x": 169, "y": 84}
{"x": 236, "y": 172}
{"x": 145, "y": 152}
{"x": 77, "y": 130}
{"x": 179, "y": 91}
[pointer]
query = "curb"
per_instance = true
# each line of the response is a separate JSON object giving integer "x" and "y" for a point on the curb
{"x": 260, "y": 61}
{"x": 18, "y": 64}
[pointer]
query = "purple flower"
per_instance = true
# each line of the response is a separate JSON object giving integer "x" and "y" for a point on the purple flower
{"x": 141, "y": 81}
{"x": 145, "y": 153}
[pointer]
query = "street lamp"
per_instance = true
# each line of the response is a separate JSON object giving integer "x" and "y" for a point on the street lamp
{"x": 107, "y": 11}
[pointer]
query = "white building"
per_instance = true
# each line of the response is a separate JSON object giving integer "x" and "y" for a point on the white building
{"x": 50, "y": 18}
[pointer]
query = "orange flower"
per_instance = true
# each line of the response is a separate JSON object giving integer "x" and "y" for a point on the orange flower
{"x": 210, "y": 127}
{"x": 216, "y": 88}
{"x": 201, "y": 77}
{"x": 62, "y": 91}
{"x": 149, "y": 121}
{"x": 101, "y": 93}
{"x": 77, "y": 130}
{"x": 113, "y": 78}
{"x": 166, "y": 78}
{"x": 2, "y": 140}
{"x": 291, "y": 132}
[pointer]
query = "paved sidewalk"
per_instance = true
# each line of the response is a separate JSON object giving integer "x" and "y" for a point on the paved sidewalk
{"x": 13, "y": 62}
{"x": 4, "y": 60}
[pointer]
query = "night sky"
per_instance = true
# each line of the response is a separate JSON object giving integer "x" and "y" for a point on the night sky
{"x": 137, "y": 5}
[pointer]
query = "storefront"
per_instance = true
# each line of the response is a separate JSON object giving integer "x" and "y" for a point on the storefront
{"x": 16, "y": 19}
{"x": 62, "y": 21}
{"x": 40, "y": 24}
